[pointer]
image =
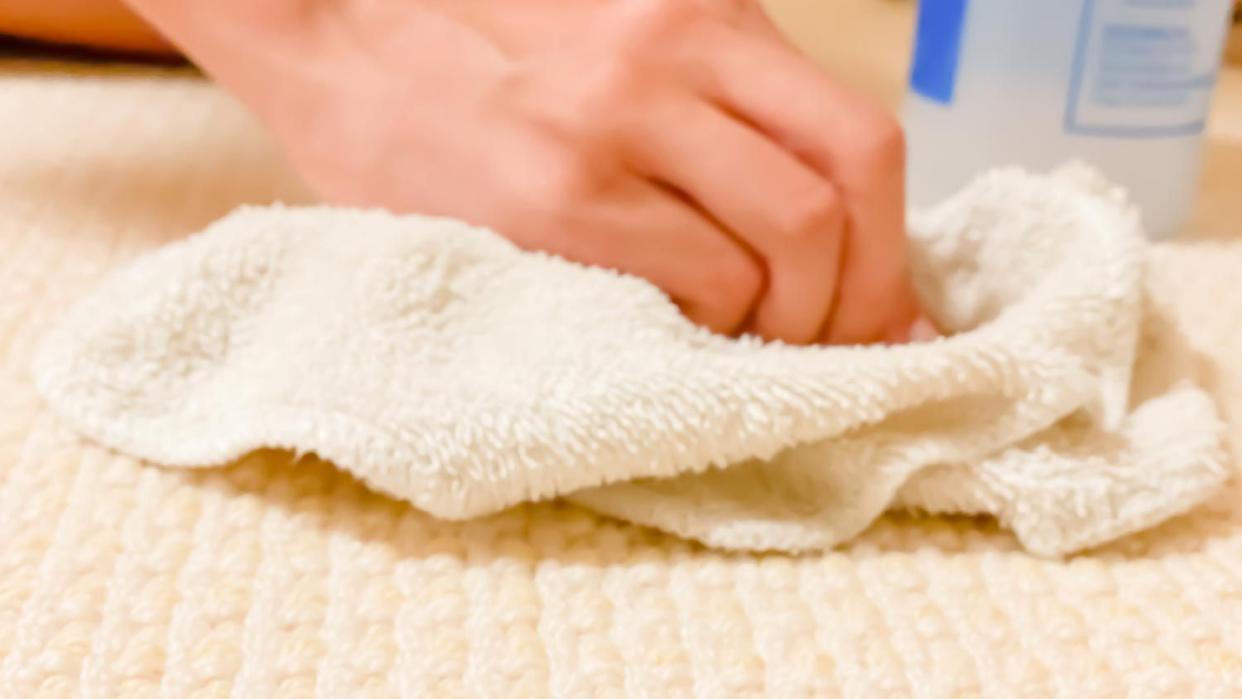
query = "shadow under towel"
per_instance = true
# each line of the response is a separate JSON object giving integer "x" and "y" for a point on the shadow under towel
{"x": 442, "y": 365}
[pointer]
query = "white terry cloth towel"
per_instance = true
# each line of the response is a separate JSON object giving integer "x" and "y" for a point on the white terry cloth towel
{"x": 440, "y": 364}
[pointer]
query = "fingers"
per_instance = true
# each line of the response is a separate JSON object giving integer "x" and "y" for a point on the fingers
{"x": 636, "y": 227}
{"x": 779, "y": 208}
{"x": 655, "y": 235}
{"x": 857, "y": 145}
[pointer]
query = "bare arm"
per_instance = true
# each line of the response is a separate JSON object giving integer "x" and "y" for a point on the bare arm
{"x": 99, "y": 24}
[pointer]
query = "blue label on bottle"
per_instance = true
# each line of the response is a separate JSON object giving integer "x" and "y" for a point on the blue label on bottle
{"x": 937, "y": 45}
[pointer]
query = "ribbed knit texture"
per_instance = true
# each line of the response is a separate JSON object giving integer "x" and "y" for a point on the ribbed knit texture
{"x": 275, "y": 579}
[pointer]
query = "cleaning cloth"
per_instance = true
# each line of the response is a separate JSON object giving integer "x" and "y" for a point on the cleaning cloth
{"x": 440, "y": 364}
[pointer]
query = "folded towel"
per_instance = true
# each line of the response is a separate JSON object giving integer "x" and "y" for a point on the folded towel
{"x": 440, "y": 364}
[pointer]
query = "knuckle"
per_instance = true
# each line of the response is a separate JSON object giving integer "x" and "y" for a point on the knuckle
{"x": 606, "y": 89}
{"x": 614, "y": 80}
{"x": 584, "y": 99}
{"x": 734, "y": 282}
{"x": 651, "y": 19}
{"x": 569, "y": 181}
{"x": 882, "y": 145}
{"x": 816, "y": 217}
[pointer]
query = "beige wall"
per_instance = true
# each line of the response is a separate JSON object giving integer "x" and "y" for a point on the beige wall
{"x": 867, "y": 43}
{"x": 864, "y": 42}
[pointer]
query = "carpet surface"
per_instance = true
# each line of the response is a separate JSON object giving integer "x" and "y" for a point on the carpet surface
{"x": 279, "y": 576}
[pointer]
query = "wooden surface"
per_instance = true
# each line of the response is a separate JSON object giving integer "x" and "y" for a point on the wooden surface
{"x": 867, "y": 44}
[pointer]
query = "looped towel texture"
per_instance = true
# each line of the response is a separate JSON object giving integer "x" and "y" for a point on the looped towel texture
{"x": 440, "y": 364}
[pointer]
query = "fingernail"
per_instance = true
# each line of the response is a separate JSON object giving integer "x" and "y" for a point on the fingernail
{"x": 923, "y": 330}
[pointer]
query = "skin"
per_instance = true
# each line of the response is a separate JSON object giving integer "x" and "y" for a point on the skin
{"x": 684, "y": 141}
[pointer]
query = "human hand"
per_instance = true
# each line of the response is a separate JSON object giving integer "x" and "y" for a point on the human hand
{"x": 684, "y": 142}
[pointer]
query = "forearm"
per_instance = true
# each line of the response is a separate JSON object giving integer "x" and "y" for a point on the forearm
{"x": 99, "y": 24}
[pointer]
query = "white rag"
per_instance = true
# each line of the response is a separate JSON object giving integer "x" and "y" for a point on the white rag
{"x": 440, "y": 364}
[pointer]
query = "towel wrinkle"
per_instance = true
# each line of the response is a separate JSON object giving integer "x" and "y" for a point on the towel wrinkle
{"x": 442, "y": 365}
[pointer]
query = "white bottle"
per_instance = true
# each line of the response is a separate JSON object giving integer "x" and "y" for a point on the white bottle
{"x": 1124, "y": 85}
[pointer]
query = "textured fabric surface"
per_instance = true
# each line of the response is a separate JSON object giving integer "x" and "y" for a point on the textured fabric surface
{"x": 283, "y": 577}
{"x": 440, "y": 364}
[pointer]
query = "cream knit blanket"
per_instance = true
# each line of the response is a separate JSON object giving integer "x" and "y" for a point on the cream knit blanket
{"x": 441, "y": 365}
{"x": 284, "y": 577}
